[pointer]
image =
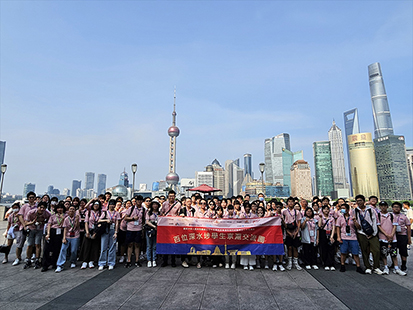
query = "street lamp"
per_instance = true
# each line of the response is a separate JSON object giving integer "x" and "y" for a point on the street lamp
{"x": 134, "y": 168}
{"x": 3, "y": 171}
{"x": 262, "y": 168}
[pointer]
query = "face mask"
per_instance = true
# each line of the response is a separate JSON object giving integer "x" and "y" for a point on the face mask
{"x": 343, "y": 211}
{"x": 15, "y": 210}
{"x": 261, "y": 198}
{"x": 54, "y": 203}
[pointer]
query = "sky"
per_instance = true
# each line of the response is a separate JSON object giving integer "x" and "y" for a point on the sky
{"x": 88, "y": 85}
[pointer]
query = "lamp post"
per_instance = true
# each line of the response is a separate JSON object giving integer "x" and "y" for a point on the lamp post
{"x": 134, "y": 168}
{"x": 262, "y": 168}
{"x": 3, "y": 171}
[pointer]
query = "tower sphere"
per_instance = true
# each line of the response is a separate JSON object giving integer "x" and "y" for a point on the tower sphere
{"x": 172, "y": 178}
{"x": 173, "y": 131}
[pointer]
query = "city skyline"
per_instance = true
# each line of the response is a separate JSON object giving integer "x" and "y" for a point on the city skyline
{"x": 246, "y": 77}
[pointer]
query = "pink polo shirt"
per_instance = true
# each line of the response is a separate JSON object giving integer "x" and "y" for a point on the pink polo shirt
{"x": 291, "y": 216}
{"x": 26, "y": 208}
{"x": 201, "y": 213}
{"x": 342, "y": 222}
{"x": 402, "y": 221}
{"x": 330, "y": 223}
{"x": 41, "y": 218}
{"x": 113, "y": 216}
{"x": 387, "y": 225}
{"x": 167, "y": 206}
{"x": 14, "y": 220}
{"x": 72, "y": 231}
{"x": 56, "y": 221}
{"x": 123, "y": 223}
{"x": 135, "y": 225}
{"x": 92, "y": 219}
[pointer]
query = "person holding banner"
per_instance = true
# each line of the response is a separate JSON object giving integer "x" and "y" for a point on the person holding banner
{"x": 278, "y": 206}
{"x": 188, "y": 211}
{"x": 292, "y": 220}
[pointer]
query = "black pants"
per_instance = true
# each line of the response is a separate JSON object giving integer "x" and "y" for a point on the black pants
{"x": 326, "y": 249}
{"x": 310, "y": 253}
{"x": 165, "y": 258}
{"x": 90, "y": 250}
{"x": 52, "y": 249}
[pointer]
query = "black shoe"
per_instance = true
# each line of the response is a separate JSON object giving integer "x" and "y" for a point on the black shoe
{"x": 138, "y": 264}
{"x": 28, "y": 264}
{"x": 360, "y": 270}
{"x": 164, "y": 264}
{"x": 127, "y": 265}
{"x": 403, "y": 268}
{"x": 37, "y": 264}
{"x": 44, "y": 269}
{"x": 343, "y": 268}
{"x": 173, "y": 264}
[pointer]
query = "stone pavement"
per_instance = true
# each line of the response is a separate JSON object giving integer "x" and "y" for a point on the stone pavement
{"x": 206, "y": 288}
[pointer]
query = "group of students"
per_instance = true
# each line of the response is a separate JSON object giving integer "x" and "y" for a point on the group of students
{"x": 98, "y": 231}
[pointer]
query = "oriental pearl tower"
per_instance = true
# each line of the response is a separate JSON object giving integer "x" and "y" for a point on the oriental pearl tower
{"x": 173, "y": 178}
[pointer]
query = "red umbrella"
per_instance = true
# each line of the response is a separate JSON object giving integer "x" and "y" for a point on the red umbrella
{"x": 203, "y": 188}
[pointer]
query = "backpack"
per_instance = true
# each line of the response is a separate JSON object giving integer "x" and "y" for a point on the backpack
{"x": 365, "y": 226}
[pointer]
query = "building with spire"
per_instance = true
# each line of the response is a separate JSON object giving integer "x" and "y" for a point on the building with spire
{"x": 247, "y": 164}
{"x": 352, "y": 127}
{"x": 172, "y": 177}
{"x": 341, "y": 187}
{"x": 124, "y": 179}
{"x": 219, "y": 175}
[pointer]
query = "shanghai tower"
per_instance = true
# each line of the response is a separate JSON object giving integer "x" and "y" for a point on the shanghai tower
{"x": 381, "y": 113}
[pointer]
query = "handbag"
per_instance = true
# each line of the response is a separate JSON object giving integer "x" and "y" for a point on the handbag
{"x": 4, "y": 248}
{"x": 102, "y": 228}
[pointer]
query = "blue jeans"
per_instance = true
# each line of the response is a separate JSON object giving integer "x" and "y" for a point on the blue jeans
{"x": 151, "y": 247}
{"x": 73, "y": 243}
{"x": 107, "y": 249}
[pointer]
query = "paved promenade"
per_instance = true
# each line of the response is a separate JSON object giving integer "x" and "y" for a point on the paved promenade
{"x": 206, "y": 288}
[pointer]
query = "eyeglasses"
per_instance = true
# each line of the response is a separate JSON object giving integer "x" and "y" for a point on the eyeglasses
{"x": 147, "y": 201}
{"x": 203, "y": 203}
{"x": 32, "y": 197}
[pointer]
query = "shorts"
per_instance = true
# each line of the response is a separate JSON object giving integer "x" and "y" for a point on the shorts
{"x": 134, "y": 236}
{"x": 35, "y": 237}
{"x": 388, "y": 249}
{"x": 292, "y": 242}
{"x": 121, "y": 237}
{"x": 402, "y": 245}
{"x": 349, "y": 246}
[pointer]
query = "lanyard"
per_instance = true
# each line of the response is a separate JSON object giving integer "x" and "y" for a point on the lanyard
{"x": 291, "y": 214}
{"x": 94, "y": 216}
{"x": 111, "y": 215}
{"x": 311, "y": 224}
{"x": 57, "y": 220}
{"x": 72, "y": 223}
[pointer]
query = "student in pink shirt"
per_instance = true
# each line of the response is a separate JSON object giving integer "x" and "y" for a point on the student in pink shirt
{"x": 403, "y": 232}
{"x": 71, "y": 236}
{"x": 292, "y": 219}
{"x": 152, "y": 225}
{"x": 326, "y": 226}
{"x": 108, "y": 238}
{"x": 309, "y": 238}
{"x": 135, "y": 219}
{"x": 211, "y": 209}
{"x": 14, "y": 230}
{"x": 122, "y": 231}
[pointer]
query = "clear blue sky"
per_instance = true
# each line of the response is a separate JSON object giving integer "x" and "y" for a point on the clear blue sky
{"x": 88, "y": 85}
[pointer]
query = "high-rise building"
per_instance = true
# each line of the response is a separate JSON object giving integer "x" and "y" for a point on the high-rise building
{"x": 219, "y": 175}
{"x": 323, "y": 168}
{"x": 101, "y": 183}
{"x": 28, "y": 187}
{"x": 2, "y": 153}
{"x": 89, "y": 180}
{"x": 383, "y": 125}
{"x": 75, "y": 186}
{"x": 409, "y": 155}
{"x": 204, "y": 177}
{"x": 392, "y": 168}
{"x": 351, "y": 125}
{"x": 172, "y": 177}
{"x": 363, "y": 168}
{"x": 50, "y": 190}
{"x": 337, "y": 158}
{"x": 234, "y": 176}
{"x": 66, "y": 192}
{"x": 301, "y": 179}
{"x": 288, "y": 158}
{"x": 124, "y": 179}
{"x": 248, "y": 164}
{"x": 273, "y": 157}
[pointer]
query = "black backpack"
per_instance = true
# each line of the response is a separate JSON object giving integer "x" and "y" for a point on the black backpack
{"x": 365, "y": 226}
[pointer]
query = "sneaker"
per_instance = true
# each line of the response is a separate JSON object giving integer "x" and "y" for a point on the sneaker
{"x": 315, "y": 267}
{"x": 150, "y": 264}
{"x": 127, "y": 265}
{"x": 245, "y": 267}
{"x": 266, "y": 266}
{"x": 360, "y": 270}
{"x": 274, "y": 268}
{"x": 111, "y": 267}
{"x": 16, "y": 262}
{"x": 332, "y": 268}
{"x": 185, "y": 264}
{"x": 220, "y": 265}
{"x": 214, "y": 266}
{"x": 226, "y": 266}
{"x": 368, "y": 271}
{"x": 58, "y": 269}
{"x": 343, "y": 268}
{"x": 399, "y": 272}
{"x": 28, "y": 264}
{"x": 72, "y": 265}
{"x": 378, "y": 271}
{"x": 44, "y": 269}
{"x": 386, "y": 270}
{"x": 91, "y": 265}
{"x": 122, "y": 259}
{"x": 327, "y": 268}
{"x": 251, "y": 268}
{"x": 297, "y": 266}
{"x": 308, "y": 267}
{"x": 403, "y": 268}
{"x": 154, "y": 263}
{"x": 233, "y": 266}
{"x": 84, "y": 265}
{"x": 258, "y": 266}
{"x": 289, "y": 265}
{"x": 37, "y": 264}
{"x": 138, "y": 264}
{"x": 198, "y": 266}
{"x": 5, "y": 261}
{"x": 347, "y": 260}
{"x": 101, "y": 268}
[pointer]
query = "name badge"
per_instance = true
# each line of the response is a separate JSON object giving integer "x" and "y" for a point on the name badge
{"x": 58, "y": 231}
{"x": 348, "y": 234}
{"x": 311, "y": 233}
{"x": 398, "y": 228}
{"x": 92, "y": 226}
{"x": 328, "y": 232}
{"x": 72, "y": 234}
{"x": 136, "y": 223}
{"x": 112, "y": 226}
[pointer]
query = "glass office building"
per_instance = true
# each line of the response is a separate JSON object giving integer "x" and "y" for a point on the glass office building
{"x": 323, "y": 168}
{"x": 351, "y": 127}
{"x": 288, "y": 158}
{"x": 273, "y": 157}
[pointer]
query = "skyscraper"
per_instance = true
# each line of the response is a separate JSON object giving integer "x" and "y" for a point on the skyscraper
{"x": 204, "y": 177}
{"x": 323, "y": 168}
{"x": 392, "y": 168}
{"x": 28, "y": 187}
{"x": 234, "y": 176}
{"x": 124, "y": 179}
{"x": 288, "y": 158}
{"x": 219, "y": 175}
{"x": 2, "y": 153}
{"x": 409, "y": 155}
{"x": 172, "y": 177}
{"x": 301, "y": 179}
{"x": 363, "y": 168}
{"x": 101, "y": 183}
{"x": 351, "y": 125}
{"x": 273, "y": 157}
{"x": 248, "y": 164}
{"x": 89, "y": 180}
{"x": 337, "y": 158}
{"x": 381, "y": 113}
{"x": 75, "y": 186}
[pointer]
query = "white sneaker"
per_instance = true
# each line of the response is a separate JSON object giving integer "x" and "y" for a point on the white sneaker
{"x": 347, "y": 261}
{"x": 226, "y": 266}
{"x": 368, "y": 271}
{"x": 213, "y": 266}
{"x": 110, "y": 267}
{"x": 289, "y": 265}
{"x": 58, "y": 269}
{"x": 101, "y": 268}
{"x": 16, "y": 262}
{"x": 267, "y": 267}
{"x": 245, "y": 267}
{"x": 378, "y": 271}
{"x": 121, "y": 259}
{"x": 72, "y": 265}
{"x": 332, "y": 268}
{"x": 282, "y": 268}
{"x": 150, "y": 264}
{"x": 315, "y": 267}
{"x": 399, "y": 272}
{"x": 185, "y": 264}
{"x": 298, "y": 267}
{"x": 154, "y": 263}
{"x": 232, "y": 266}
{"x": 308, "y": 267}
{"x": 251, "y": 268}
{"x": 91, "y": 265}
{"x": 386, "y": 270}
{"x": 84, "y": 265}
{"x": 220, "y": 265}
{"x": 326, "y": 268}
{"x": 274, "y": 268}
